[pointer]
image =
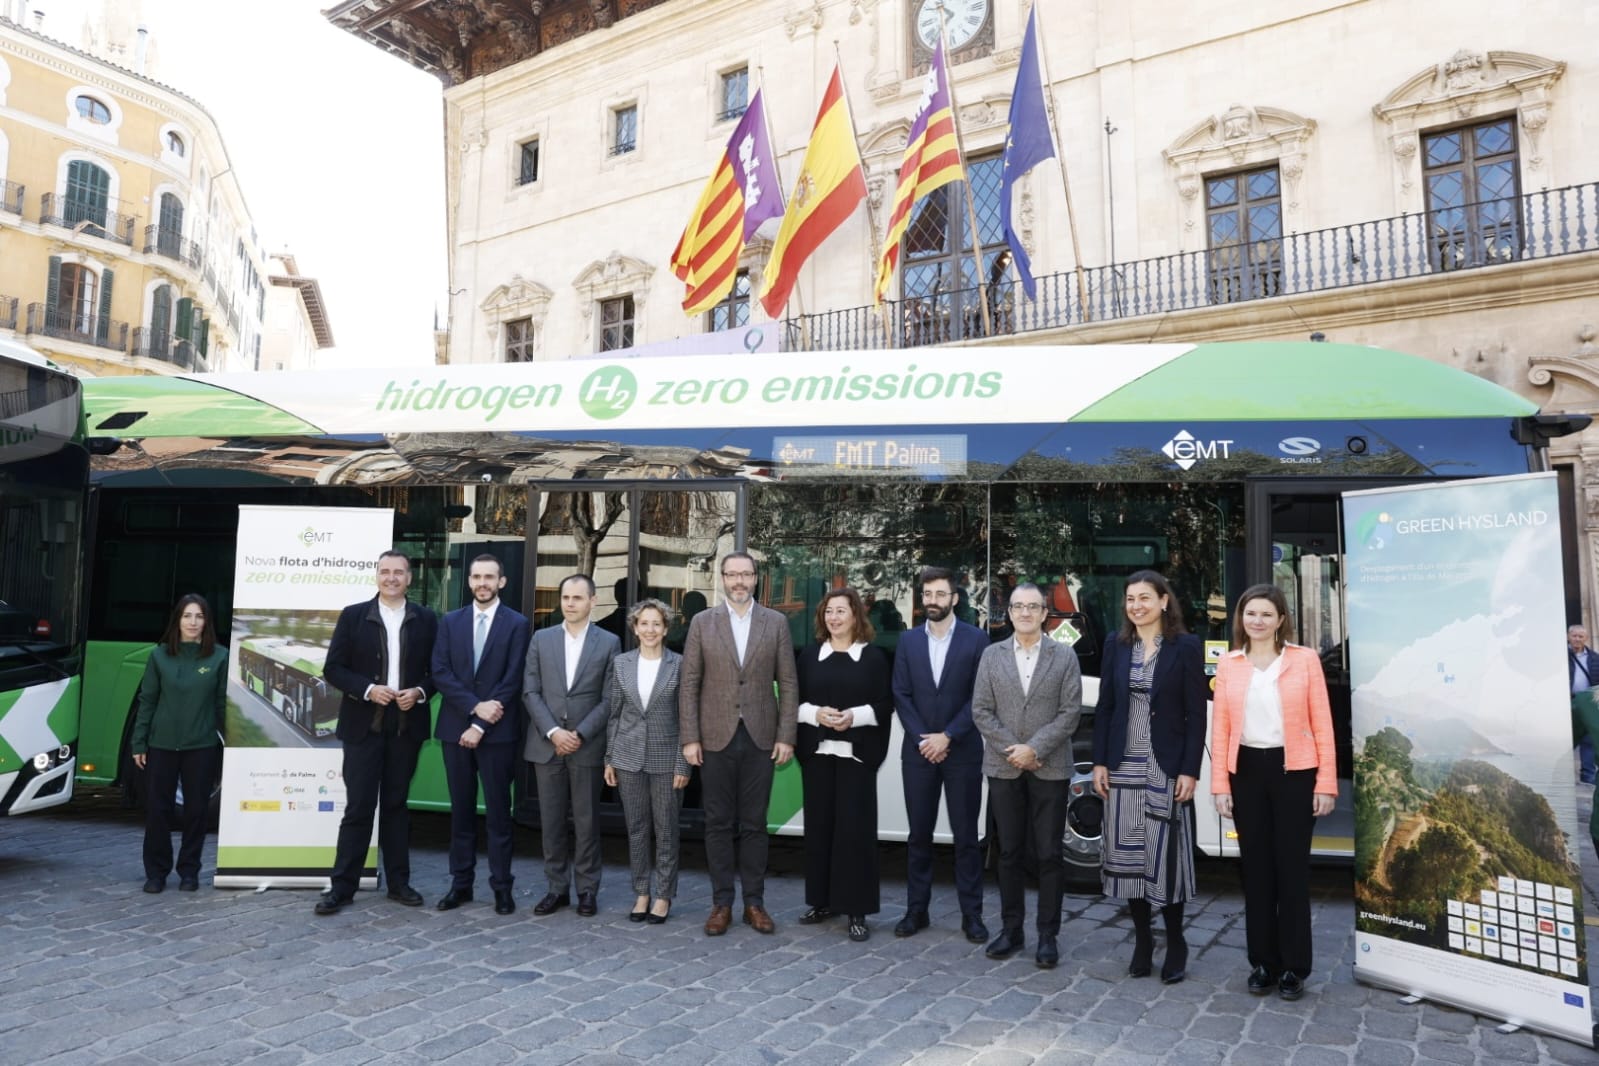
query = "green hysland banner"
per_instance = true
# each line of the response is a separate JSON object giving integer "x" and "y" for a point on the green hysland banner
{"x": 1468, "y": 887}
{"x": 282, "y": 782}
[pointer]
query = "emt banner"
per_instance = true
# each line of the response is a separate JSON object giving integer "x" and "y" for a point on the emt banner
{"x": 282, "y": 781}
{"x": 1468, "y": 889}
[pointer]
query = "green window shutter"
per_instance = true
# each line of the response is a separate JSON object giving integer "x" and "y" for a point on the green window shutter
{"x": 103, "y": 326}
{"x": 161, "y": 316}
{"x": 52, "y": 289}
{"x": 205, "y": 335}
{"x": 185, "y": 318}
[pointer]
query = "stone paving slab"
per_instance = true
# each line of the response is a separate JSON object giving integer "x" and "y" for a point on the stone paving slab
{"x": 95, "y": 971}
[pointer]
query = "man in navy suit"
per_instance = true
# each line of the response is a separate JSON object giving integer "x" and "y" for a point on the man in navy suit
{"x": 477, "y": 668}
{"x": 934, "y": 669}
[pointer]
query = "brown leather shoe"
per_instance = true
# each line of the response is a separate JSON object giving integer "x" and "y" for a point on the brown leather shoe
{"x": 755, "y": 916}
{"x": 720, "y": 919}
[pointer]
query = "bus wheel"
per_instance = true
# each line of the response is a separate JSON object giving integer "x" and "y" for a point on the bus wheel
{"x": 1082, "y": 842}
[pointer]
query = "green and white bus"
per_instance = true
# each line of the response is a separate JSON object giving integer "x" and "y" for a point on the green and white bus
{"x": 44, "y": 473}
{"x": 287, "y": 675}
{"x": 1217, "y": 464}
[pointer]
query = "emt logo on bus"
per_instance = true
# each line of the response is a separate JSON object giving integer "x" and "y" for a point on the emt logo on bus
{"x": 1185, "y": 449}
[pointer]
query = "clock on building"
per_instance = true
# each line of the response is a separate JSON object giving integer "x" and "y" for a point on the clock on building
{"x": 963, "y": 20}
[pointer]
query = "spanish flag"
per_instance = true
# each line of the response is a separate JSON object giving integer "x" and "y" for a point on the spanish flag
{"x": 932, "y": 158}
{"x": 829, "y": 187}
{"x": 741, "y": 194}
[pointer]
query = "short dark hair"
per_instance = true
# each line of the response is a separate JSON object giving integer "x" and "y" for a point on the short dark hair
{"x": 863, "y": 633}
{"x": 1273, "y": 595}
{"x": 173, "y": 636}
{"x": 396, "y": 554}
{"x": 487, "y": 558}
{"x": 1171, "y": 618}
{"x": 589, "y": 581}
{"x": 746, "y": 556}
{"x": 1025, "y": 586}
{"x": 930, "y": 574}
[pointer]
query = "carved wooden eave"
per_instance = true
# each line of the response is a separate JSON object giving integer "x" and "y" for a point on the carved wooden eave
{"x": 457, "y": 40}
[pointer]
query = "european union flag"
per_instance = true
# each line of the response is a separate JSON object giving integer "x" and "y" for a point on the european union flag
{"x": 1026, "y": 145}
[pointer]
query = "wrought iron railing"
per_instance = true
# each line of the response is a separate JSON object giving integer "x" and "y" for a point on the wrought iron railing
{"x": 96, "y": 219}
{"x": 8, "y": 312}
{"x": 151, "y": 343}
{"x": 69, "y": 325}
{"x": 171, "y": 244}
{"x": 11, "y": 194}
{"x": 1492, "y": 233}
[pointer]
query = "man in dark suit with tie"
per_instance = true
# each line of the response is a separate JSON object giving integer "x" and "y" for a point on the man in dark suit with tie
{"x": 934, "y": 670}
{"x": 379, "y": 657}
{"x": 477, "y": 665}
{"x": 737, "y": 730}
{"x": 566, "y": 689}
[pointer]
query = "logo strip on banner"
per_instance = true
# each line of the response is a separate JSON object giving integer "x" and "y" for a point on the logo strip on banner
{"x": 282, "y": 772}
{"x": 1468, "y": 890}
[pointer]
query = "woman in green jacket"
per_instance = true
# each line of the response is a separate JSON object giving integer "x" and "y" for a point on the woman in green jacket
{"x": 177, "y": 736}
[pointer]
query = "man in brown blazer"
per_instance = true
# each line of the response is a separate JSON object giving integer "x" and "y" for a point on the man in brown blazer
{"x": 736, "y": 730}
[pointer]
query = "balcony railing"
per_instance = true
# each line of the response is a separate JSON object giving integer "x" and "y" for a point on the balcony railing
{"x": 1492, "y": 233}
{"x": 172, "y": 244}
{"x": 149, "y": 343}
{"x": 64, "y": 324}
{"x": 11, "y": 193}
{"x": 8, "y": 312}
{"x": 95, "y": 219}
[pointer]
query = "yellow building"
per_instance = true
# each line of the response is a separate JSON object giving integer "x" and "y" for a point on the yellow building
{"x": 125, "y": 243}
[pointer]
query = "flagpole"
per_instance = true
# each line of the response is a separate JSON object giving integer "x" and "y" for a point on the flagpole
{"x": 960, "y": 154}
{"x": 766, "y": 120}
{"x": 871, "y": 216}
{"x": 1060, "y": 158}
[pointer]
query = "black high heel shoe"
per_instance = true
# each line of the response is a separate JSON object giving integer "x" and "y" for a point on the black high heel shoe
{"x": 659, "y": 919}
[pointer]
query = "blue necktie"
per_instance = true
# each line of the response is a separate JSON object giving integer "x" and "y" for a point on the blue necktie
{"x": 479, "y": 637}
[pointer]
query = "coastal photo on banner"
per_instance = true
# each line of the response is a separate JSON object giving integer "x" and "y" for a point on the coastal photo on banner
{"x": 1468, "y": 885}
{"x": 282, "y": 785}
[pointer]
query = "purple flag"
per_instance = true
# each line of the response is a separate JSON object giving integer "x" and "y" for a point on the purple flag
{"x": 755, "y": 169}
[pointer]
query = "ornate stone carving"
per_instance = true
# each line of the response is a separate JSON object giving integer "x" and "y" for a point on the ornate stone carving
{"x": 517, "y": 298}
{"x": 615, "y": 275}
{"x": 1242, "y": 135}
{"x": 604, "y": 13}
{"x": 810, "y": 16}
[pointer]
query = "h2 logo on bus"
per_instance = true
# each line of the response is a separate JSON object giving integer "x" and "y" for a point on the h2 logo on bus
{"x": 608, "y": 392}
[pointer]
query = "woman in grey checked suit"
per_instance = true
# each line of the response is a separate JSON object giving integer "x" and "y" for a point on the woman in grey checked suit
{"x": 643, "y": 760}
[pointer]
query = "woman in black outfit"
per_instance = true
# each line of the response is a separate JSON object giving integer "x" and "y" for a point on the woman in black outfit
{"x": 845, "y": 703}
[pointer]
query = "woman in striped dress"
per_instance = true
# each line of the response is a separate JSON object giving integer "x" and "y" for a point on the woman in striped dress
{"x": 1149, "y": 739}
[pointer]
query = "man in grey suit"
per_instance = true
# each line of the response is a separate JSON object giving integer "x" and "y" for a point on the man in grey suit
{"x": 1026, "y": 701}
{"x": 736, "y": 729}
{"x": 566, "y": 690}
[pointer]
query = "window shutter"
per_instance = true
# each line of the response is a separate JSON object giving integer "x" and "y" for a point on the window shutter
{"x": 185, "y": 318}
{"x": 52, "y": 289}
{"x": 205, "y": 334}
{"x": 102, "y": 328}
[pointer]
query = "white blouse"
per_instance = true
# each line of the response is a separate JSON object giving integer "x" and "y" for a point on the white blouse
{"x": 1263, "y": 709}
{"x": 648, "y": 669}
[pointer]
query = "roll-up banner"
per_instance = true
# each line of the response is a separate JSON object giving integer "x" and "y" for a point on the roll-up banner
{"x": 1468, "y": 888}
{"x": 282, "y": 780}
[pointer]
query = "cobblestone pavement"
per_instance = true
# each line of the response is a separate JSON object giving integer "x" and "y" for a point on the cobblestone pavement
{"x": 95, "y": 971}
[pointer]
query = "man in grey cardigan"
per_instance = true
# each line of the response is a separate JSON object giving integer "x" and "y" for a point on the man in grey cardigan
{"x": 1026, "y": 702}
{"x": 737, "y": 730}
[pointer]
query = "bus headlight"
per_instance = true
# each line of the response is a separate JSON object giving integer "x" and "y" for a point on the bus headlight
{"x": 41, "y": 761}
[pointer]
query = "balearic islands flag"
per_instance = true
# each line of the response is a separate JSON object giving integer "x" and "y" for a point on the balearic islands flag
{"x": 932, "y": 158}
{"x": 829, "y": 187}
{"x": 741, "y": 194}
{"x": 1026, "y": 145}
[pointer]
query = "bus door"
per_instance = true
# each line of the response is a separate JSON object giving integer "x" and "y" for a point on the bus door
{"x": 1295, "y": 543}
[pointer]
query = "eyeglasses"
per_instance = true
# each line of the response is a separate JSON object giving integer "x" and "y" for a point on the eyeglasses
{"x": 1026, "y": 608}
{"x": 738, "y": 573}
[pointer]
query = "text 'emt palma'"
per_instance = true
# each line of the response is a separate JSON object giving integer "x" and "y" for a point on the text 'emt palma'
{"x": 845, "y": 386}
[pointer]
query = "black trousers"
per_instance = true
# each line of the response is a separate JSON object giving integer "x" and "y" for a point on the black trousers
{"x": 495, "y": 764}
{"x": 841, "y": 861}
{"x": 197, "y": 768}
{"x": 962, "y": 785}
{"x": 377, "y": 779}
{"x": 1271, "y": 808}
{"x": 736, "y": 788}
{"x": 1028, "y": 806}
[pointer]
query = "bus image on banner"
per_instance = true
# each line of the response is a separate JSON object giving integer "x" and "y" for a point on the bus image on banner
{"x": 43, "y": 477}
{"x": 288, "y": 675}
{"x": 1072, "y": 467}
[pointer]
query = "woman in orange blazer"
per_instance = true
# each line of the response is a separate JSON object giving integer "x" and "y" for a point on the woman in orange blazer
{"x": 1273, "y": 773}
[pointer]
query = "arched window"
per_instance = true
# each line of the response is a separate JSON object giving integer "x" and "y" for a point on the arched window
{"x": 88, "y": 194}
{"x": 169, "y": 229}
{"x": 72, "y": 308}
{"x": 93, "y": 110}
{"x": 175, "y": 144}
